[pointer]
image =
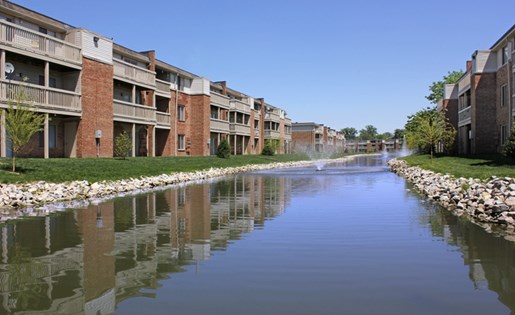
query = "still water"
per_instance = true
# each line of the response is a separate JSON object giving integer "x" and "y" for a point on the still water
{"x": 351, "y": 239}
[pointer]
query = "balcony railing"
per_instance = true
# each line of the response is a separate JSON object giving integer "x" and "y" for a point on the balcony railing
{"x": 240, "y": 107}
{"x": 163, "y": 86}
{"x": 26, "y": 39}
{"x": 272, "y": 134}
{"x": 125, "y": 70}
{"x": 273, "y": 117}
{"x": 218, "y": 125}
{"x": 220, "y": 100}
{"x": 240, "y": 129}
{"x": 163, "y": 119}
{"x": 130, "y": 112}
{"x": 464, "y": 116}
{"x": 48, "y": 99}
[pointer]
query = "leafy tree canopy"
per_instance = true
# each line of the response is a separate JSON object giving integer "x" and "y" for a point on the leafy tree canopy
{"x": 436, "y": 88}
{"x": 350, "y": 133}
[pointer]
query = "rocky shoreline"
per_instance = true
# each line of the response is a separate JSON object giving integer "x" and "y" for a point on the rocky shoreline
{"x": 41, "y": 198}
{"x": 490, "y": 204}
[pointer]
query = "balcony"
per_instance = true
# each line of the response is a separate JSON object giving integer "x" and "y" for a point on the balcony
{"x": 272, "y": 134}
{"x": 240, "y": 107}
{"x": 221, "y": 126}
{"x": 163, "y": 120}
{"x": 126, "y": 71}
{"x": 133, "y": 113}
{"x": 271, "y": 116}
{"x": 163, "y": 87}
{"x": 47, "y": 100}
{"x": 240, "y": 129}
{"x": 25, "y": 39}
{"x": 256, "y": 133}
{"x": 220, "y": 100}
{"x": 464, "y": 116}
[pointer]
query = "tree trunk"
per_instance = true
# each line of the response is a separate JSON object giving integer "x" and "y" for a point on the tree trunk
{"x": 14, "y": 163}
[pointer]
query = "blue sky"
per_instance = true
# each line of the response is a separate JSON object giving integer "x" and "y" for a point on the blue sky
{"x": 340, "y": 63}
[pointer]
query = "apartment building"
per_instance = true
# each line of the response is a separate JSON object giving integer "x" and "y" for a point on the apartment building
{"x": 91, "y": 90}
{"x": 310, "y": 136}
{"x": 480, "y": 104}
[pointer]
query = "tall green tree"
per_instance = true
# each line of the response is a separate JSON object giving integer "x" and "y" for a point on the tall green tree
{"x": 21, "y": 120}
{"x": 398, "y": 133}
{"x": 368, "y": 133}
{"x": 436, "y": 88}
{"x": 428, "y": 128}
{"x": 350, "y": 133}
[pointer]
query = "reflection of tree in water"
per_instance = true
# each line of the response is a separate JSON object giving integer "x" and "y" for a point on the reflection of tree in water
{"x": 491, "y": 259}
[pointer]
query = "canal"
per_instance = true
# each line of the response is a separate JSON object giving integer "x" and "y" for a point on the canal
{"x": 352, "y": 238}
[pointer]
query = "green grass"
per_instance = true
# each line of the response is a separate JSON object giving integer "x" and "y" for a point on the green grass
{"x": 92, "y": 170}
{"x": 477, "y": 166}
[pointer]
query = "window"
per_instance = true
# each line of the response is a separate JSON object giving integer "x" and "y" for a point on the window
{"x": 180, "y": 142}
{"x": 504, "y": 135}
{"x": 214, "y": 112}
{"x": 504, "y": 95}
{"x": 504, "y": 57}
{"x": 52, "y": 137}
{"x": 181, "y": 113}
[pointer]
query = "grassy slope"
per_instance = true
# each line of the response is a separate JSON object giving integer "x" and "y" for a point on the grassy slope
{"x": 62, "y": 170}
{"x": 479, "y": 166}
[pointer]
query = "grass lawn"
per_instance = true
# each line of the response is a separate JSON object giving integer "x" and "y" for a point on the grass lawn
{"x": 92, "y": 170}
{"x": 476, "y": 166}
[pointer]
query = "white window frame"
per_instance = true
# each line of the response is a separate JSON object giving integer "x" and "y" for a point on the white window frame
{"x": 504, "y": 134}
{"x": 181, "y": 113}
{"x": 181, "y": 142}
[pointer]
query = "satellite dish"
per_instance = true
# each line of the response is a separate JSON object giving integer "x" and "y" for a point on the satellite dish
{"x": 9, "y": 68}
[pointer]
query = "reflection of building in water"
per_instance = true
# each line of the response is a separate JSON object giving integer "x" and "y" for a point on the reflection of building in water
{"x": 88, "y": 260}
{"x": 491, "y": 259}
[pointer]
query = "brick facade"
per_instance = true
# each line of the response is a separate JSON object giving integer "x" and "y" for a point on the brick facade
{"x": 97, "y": 110}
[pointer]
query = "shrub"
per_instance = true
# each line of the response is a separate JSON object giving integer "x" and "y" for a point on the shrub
{"x": 509, "y": 147}
{"x": 224, "y": 149}
{"x": 122, "y": 145}
{"x": 268, "y": 149}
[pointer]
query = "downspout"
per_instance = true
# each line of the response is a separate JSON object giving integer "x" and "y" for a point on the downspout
{"x": 176, "y": 110}
{"x": 510, "y": 94}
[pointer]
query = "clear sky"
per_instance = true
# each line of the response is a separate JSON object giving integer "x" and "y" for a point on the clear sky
{"x": 337, "y": 62}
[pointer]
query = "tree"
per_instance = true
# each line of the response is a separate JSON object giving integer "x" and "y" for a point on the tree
{"x": 398, "y": 133}
{"x": 385, "y": 136}
{"x": 122, "y": 145}
{"x": 436, "y": 88}
{"x": 368, "y": 133}
{"x": 224, "y": 149}
{"x": 350, "y": 133}
{"x": 428, "y": 128}
{"x": 21, "y": 120}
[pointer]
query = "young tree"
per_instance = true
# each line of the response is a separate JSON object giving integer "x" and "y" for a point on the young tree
{"x": 224, "y": 149}
{"x": 436, "y": 88}
{"x": 21, "y": 121}
{"x": 350, "y": 133}
{"x": 428, "y": 128}
{"x": 269, "y": 148}
{"x": 122, "y": 145}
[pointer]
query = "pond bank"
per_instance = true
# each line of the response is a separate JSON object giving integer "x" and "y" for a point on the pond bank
{"x": 490, "y": 204}
{"x": 41, "y": 198}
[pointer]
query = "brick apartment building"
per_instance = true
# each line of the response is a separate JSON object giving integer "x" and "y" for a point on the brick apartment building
{"x": 480, "y": 104}
{"x": 91, "y": 89}
{"x": 310, "y": 136}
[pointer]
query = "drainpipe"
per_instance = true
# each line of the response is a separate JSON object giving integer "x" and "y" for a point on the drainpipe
{"x": 176, "y": 108}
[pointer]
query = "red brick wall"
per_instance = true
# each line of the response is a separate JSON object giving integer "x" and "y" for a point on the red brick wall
{"x": 97, "y": 109}
{"x": 199, "y": 121}
{"x": 484, "y": 127}
{"x": 183, "y": 127}
{"x": 302, "y": 139}
{"x": 503, "y": 113}
{"x": 451, "y": 113}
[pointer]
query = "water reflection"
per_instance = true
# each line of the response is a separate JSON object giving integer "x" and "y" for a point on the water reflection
{"x": 352, "y": 246}
{"x": 89, "y": 260}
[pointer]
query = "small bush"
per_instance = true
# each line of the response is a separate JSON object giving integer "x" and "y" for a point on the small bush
{"x": 268, "y": 149}
{"x": 509, "y": 147}
{"x": 122, "y": 145}
{"x": 224, "y": 149}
